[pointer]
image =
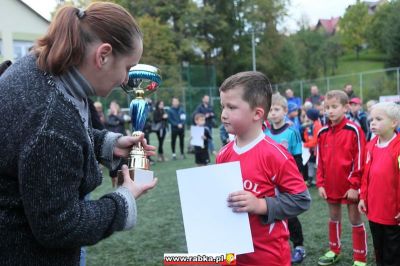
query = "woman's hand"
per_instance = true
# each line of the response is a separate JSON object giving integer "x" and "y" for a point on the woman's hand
{"x": 136, "y": 189}
{"x": 124, "y": 145}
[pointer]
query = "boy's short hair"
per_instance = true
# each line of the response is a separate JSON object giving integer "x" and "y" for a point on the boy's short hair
{"x": 392, "y": 110}
{"x": 199, "y": 115}
{"x": 339, "y": 95}
{"x": 256, "y": 86}
{"x": 278, "y": 99}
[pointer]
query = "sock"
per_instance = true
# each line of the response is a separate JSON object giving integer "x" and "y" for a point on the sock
{"x": 359, "y": 243}
{"x": 335, "y": 231}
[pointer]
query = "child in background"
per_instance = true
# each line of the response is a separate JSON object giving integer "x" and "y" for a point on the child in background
{"x": 289, "y": 137}
{"x": 293, "y": 115}
{"x": 340, "y": 162}
{"x": 310, "y": 141}
{"x": 201, "y": 155}
{"x": 357, "y": 115}
{"x": 380, "y": 189}
{"x": 273, "y": 187}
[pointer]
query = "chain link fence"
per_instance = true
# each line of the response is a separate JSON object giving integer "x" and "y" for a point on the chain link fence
{"x": 366, "y": 85}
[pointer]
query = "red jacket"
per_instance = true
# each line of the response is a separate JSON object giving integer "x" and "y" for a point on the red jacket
{"x": 380, "y": 187}
{"x": 340, "y": 158}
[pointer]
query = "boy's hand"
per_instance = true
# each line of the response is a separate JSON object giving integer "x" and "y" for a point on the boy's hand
{"x": 351, "y": 194}
{"x": 362, "y": 208}
{"x": 397, "y": 217}
{"x": 322, "y": 193}
{"x": 244, "y": 201}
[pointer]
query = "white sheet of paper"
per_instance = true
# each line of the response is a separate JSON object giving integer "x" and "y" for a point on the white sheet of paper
{"x": 143, "y": 176}
{"x": 196, "y": 134}
{"x": 210, "y": 225}
{"x": 305, "y": 154}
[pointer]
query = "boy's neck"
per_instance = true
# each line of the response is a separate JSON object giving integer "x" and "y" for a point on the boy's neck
{"x": 337, "y": 122}
{"x": 385, "y": 138}
{"x": 246, "y": 138}
{"x": 279, "y": 124}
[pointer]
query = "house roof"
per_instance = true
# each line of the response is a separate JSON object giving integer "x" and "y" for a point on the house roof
{"x": 329, "y": 25}
{"x": 34, "y": 11}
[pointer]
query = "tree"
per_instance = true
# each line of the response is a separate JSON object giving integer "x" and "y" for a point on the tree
{"x": 353, "y": 26}
{"x": 391, "y": 35}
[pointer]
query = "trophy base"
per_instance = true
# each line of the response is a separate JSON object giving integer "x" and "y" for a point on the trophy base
{"x": 121, "y": 176}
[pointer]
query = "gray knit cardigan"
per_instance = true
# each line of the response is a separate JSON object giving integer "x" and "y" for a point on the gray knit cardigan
{"x": 47, "y": 165}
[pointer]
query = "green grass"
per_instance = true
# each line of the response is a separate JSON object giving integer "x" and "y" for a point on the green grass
{"x": 160, "y": 226}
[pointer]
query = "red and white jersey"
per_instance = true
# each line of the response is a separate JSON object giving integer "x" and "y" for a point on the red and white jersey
{"x": 340, "y": 158}
{"x": 267, "y": 170}
{"x": 381, "y": 181}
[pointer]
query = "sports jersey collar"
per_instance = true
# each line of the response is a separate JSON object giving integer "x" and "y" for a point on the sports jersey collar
{"x": 384, "y": 145}
{"x": 241, "y": 150}
{"x": 338, "y": 126}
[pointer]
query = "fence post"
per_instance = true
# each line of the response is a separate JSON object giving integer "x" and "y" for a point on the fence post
{"x": 327, "y": 84}
{"x": 361, "y": 87}
{"x": 301, "y": 91}
{"x": 398, "y": 81}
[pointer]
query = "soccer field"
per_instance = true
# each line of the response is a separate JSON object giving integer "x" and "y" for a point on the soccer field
{"x": 160, "y": 225}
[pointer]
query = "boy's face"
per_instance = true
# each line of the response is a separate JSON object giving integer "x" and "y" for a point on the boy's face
{"x": 200, "y": 121}
{"x": 335, "y": 110}
{"x": 355, "y": 107}
{"x": 381, "y": 124}
{"x": 237, "y": 116}
{"x": 277, "y": 113}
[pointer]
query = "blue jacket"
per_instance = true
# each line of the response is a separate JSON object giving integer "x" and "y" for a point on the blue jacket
{"x": 176, "y": 116}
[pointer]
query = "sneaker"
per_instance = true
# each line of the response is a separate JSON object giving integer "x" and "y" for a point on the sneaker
{"x": 359, "y": 263}
{"x": 298, "y": 254}
{"x": 329, "y": 258}
{"x": 174, "y": 157}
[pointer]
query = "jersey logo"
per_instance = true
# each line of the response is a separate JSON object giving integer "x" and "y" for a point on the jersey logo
{"x": 250, "y": 186}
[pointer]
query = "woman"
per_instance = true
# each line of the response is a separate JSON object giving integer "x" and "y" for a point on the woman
{"x": 49, "y": 154}
{"x": 160, "y": 118}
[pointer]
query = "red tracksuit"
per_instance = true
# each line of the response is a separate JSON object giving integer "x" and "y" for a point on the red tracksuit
{"x": 381, "y": 181}
{"x": 340, "y": 159}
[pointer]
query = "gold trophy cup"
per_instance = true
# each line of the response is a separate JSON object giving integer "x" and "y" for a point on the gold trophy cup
{"x": 143, "y": 81}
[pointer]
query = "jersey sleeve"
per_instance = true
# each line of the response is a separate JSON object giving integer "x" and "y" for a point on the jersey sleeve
{"x": 358, "y": 160}
{"x": 320, "y": 168}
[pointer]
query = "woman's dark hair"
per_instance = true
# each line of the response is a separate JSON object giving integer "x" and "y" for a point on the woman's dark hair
{"x": 72, "y": 30}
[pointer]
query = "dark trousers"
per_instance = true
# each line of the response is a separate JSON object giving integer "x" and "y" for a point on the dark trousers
{"x": 177, "y": 132}
{"x": 386, "y": 240}
{"x": 161, "y": 137}
{"x": 296, "y": 231}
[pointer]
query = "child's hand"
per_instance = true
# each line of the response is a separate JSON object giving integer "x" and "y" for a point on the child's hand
{"x": 362, "y": 208}
{"x": 322, "y": 193}
{"x": 244, "y": 201}
{"x": 351, "y": 194}
{"x": 397, "y": 217}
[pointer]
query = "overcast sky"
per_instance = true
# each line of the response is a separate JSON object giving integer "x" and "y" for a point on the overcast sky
{"x": 311, "y": 9}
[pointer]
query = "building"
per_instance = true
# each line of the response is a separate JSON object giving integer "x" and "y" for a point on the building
{"x": 328, "y": 26}
{"x": 20, "y": 26}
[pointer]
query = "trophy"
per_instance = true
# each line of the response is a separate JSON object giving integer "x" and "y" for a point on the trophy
{"x": 143, "y": 81}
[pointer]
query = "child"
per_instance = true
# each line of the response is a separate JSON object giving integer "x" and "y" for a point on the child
{"x": 357, "y": 115}
{"x": 273, "y": 187}
{"x": 310, "y": 141}
{"x": 201, "y": 154}
{"x": 340, "y": 152}
{"x": 380, "y": 190}
{"x": 288, "y": 136}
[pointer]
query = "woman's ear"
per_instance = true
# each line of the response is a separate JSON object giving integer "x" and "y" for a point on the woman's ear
{"x": 103, "y": 53}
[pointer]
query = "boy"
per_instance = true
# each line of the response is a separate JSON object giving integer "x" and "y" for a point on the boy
{"x": 201, "y": 154}
{"x": 289, "y": 137}
{"x": 380, "y": 190}
{"x": 273, "y": 187}
{"x": 340, "y": 152}
{"x": 357, "y": 115}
